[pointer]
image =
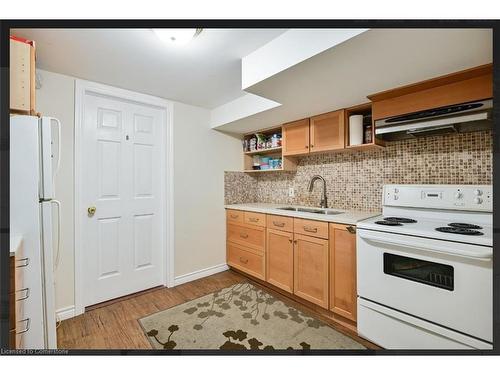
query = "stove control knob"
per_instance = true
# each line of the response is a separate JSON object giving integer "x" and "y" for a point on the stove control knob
{"x": 478, "y": 200}
{"x": 396, "y": 197}
{"x": 478, "y": 192}
{"x": 458, "y": 195}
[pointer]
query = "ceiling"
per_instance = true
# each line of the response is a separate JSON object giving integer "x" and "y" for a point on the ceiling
{"x": 206, "y": 72}
{"x": 374, "y": 61}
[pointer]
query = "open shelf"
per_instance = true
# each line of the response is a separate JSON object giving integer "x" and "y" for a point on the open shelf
{"x": 262, "y": 170}
{"x": 287, "y": 163}
{"x": 264, "y": 151}
{"x": 366, "y": 111}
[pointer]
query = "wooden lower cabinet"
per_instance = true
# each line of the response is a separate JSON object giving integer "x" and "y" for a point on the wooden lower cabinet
{"x": 343, "y": 292}
{"x": 247, "y": 260}
{"x": 279, "y": 259}
{"x": 12, "y": 304}
{"x": 313, "y": 261}
{"x": 310, "y": 258}
{"x": 247, "y": 235}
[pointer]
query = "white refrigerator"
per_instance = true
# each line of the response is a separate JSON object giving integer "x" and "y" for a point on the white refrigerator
{"x": 34, "y": 161}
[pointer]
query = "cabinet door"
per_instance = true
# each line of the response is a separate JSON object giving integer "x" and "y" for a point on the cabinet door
{"x": 343, "y": 271}
{"x": 280, "y": 259}
{"x": 327, "y": 131}
{"x": 296, "y": 138}
{"x": 311, "y": 269}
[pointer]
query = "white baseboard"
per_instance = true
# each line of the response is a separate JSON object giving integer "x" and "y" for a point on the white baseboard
{"x": 65, "y": 313}
{"x": 199, "y": 274}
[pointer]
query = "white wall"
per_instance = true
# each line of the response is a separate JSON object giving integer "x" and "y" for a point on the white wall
{"x": 282, "y": 53}
{"x": 201, "y": 155}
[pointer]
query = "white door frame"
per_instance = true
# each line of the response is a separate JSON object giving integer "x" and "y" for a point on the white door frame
{"x": 167, "y": 187}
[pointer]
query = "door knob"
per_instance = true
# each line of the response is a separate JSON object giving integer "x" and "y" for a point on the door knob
{"x": 91, "y": 211}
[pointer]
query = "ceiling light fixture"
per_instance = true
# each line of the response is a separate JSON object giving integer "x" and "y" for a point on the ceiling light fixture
{"x": 177, "y": 36}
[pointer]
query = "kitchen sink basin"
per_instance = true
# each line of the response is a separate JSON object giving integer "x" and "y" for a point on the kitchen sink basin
{"x": 311, "y": 210}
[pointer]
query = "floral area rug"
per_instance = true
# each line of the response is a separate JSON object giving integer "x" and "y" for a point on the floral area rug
{"x": 238, "y": 318}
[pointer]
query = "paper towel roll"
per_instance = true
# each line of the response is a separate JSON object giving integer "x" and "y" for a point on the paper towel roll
{"x": 355, "y": 130}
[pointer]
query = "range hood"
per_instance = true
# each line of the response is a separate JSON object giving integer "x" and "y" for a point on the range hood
{"x": 465, "y": 117}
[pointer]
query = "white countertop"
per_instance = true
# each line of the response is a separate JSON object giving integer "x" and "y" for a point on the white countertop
{"x": 346, "y": 217}
{"x": 15, "y": 244}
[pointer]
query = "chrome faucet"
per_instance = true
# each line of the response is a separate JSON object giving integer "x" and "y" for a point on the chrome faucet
{"x": 323, "y": 203}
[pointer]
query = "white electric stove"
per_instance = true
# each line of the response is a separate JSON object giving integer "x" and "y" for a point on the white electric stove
{"x": 425, "y": 268}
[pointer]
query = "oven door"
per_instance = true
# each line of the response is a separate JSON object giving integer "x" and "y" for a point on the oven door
{"x": 444, "y": 282}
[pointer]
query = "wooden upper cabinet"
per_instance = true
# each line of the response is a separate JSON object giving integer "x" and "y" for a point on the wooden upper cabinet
{"x": 455, "y": 88}
{"x": 296, "y": 138}
{"x": 22, "y": 76}
{"x": 279, "y": 258}
{"x": 311, "y": 269}
{"x": 343, "y": 292}
{"x": 327, "y": 131}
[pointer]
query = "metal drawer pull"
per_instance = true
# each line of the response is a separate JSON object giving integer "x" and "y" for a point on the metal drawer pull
{"x": 309, "y": 229}
{"x": 351, "y": 229}
{"x": 243, "y": 260}
{"x": 25, "y": 260}
{"x": 243, "y": 235}
{"x": 28, "y": 321}
{"x": 26, "y": 296}
{"x": 253, "y": 219}
{"x": 278, "y": 224}
{"x": 234, "y": 216}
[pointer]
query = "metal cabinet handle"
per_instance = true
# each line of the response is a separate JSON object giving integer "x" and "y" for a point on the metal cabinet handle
{"x": 309, "y": 229}
{"x": 278, "y": 224}
{"x": 351, "y": 229}
{"x": 290, "y": 240}
{"x": 243, "y": 260}
{"x": 253, "y": 219}
{"x": 26, "y": 296}
{"x": 234, "y": 216}
{"x": 28, "y": 321}
{"x": 25, "y": 260}
{"x": 243, "y": 235}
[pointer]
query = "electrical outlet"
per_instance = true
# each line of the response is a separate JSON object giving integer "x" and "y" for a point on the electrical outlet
{"x": 291, "y": 192}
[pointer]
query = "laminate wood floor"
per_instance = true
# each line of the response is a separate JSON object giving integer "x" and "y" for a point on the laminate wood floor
{"x": 114, "y": 325}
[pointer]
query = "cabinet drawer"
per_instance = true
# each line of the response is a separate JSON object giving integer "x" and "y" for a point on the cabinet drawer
{"x": 254, "y": 218}
{"x": 246, "y": 260}
{"x": 280, "y": 223}
{"x": 247, "y": 235}
{"x": 311, "y": 228}
{"x": 234, "y": 216}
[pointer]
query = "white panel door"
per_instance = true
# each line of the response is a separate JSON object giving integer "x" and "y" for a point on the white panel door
{"x": 121, "y": 179}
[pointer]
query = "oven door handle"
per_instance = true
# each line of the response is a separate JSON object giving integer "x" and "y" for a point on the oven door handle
{"x": 484, "y": 255}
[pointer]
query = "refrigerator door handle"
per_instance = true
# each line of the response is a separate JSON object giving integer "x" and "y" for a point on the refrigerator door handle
{"x": 58, "y": 205}
{"x": 58, "y": 164}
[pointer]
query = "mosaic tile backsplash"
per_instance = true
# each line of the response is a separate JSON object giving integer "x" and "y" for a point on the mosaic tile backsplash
{"x": 355, "y": 179}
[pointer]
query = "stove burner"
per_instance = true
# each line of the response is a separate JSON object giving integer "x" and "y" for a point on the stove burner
{"x": 390, "y": 223}
{"x": 454, "y": 230}
{"x": 400, "y": 220}
{"x": 465, "y": 226}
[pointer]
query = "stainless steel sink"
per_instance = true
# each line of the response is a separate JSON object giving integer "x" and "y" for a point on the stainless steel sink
{"x": 312, "y": 210}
